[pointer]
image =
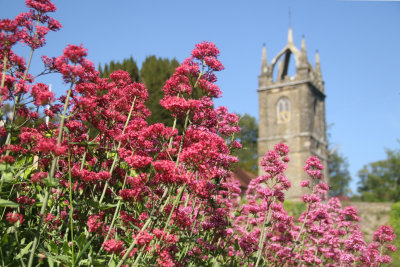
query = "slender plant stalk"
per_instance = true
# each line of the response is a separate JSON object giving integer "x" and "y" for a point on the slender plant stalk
{"x": 3, "y": 78}
{"x": 133, "y": 244}
{"x": 177, "y": 199}
{"x": 302, "y": 227}
{"x": 8, "y": 139}
{"x": 115, "y": 215}
{"x": 18, "y": 244}
{"x": 71, "y": 209}
{"x": 116, "y": 152}
{"x": 51, "y": 180}
{"x": 262, "y": 237}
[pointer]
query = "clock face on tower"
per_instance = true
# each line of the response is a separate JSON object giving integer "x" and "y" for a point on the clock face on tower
{"x": 283, "y": 110}
{"x": 284, "y": 116}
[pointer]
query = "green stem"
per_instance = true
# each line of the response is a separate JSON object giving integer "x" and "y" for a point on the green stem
{"x": 197, "y": 215}
{"x": 301, "y": 230}
{"x": 116, "y": 152}
{"x": 84, "y": 153}
{"x": 8, "y": 140}
{"x": 183, "y": 136}
{"x": 115, "y": 215}
{"x": 3, "y": 78}
{"x": 173, "y": 128}
{"x": 19, "y": 247}
{"x": 133, "y": 244}
{"x": 262, "y": 237}
{"x": 302, "y": 227}
{"x": 51, "y": 179}
{"x": 71, "y": 208}
{"x": 177, "y": 199}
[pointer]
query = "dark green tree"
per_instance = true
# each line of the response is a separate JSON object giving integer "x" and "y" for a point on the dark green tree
{"x": 380, "y": 180}
{"x": 128, "y": 65}
{"x": 248, "y": 156}
{"x": 338, "y": 168}
{"x": 339, "y": 175}
{"x": 154, "y": 73}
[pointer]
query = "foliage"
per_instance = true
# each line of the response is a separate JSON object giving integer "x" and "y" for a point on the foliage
{"x": 248, "y": 156}
{"x": 380, "y": 180}
{"x": 129, "y": 65}
{"x": 339, "y": 175}
{"x": 103, "y": 187}
{"x": 154, "y": 73}
{"x": 294, "y": 208}
{"x": 394, "y": 221}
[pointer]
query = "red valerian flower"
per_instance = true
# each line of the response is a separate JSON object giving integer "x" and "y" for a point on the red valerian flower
{"x": 38, "y": 176}
{"x": 138, "y": 161}
{"x": 95, "y": 223}
{"x": 314, "y": 167}
{"x": 42, "y": 94}
{"x": 169, "y": 173}
{"x": 42, "y": 6}
{"x": 113, "y": 246}
{"x": 75, "y": 53}
{"x": 13, "y": 217}
{"x": 384, "y": 234}
{"x": 143, "y": 238}
{"x": 7, "y": 159}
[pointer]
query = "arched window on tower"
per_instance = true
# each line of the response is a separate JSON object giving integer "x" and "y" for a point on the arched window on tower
{"x": 283, "y": 110}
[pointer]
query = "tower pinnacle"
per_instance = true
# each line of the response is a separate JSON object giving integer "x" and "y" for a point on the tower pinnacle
{"x": 317, "y": 62}
{"x": 290, "y": 35}
{"x": 303, "y": 43}
{"x": 264, "y": 62}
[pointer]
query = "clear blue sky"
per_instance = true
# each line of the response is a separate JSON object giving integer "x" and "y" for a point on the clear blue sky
{"x": 358, "y": 41}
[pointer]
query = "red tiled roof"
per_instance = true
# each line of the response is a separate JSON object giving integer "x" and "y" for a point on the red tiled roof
{"x": 244, "y": 177}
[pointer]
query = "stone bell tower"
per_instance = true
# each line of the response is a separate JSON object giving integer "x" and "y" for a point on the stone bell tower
{"x": 292, "y": 110}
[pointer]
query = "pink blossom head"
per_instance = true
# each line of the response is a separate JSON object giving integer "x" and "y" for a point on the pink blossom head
{"x": 314, "y": 167}
{"x": 75, "y": 53}
{"x": 305, "y": 183}
{"x": 113, "y": 246}
{"x": 384, "y": 234}
{"x": 282, "y": 149}
{"x": 13, "y": 217}
{"x": 42, "y": 6}
{"x": 205, "y": 49}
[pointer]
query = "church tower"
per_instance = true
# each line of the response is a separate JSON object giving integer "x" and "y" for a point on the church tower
{"x": 292, "y": 110}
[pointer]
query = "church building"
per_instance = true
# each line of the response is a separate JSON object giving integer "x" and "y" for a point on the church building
{"x": 292, "y": 111}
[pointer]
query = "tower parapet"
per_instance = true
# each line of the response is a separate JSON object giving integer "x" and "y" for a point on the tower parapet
{"x": 280, "y": 63}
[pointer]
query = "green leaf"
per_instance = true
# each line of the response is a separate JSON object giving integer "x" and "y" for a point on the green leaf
{"x": 66, "y": 248}
{"x": 7, "y": 177}
{"x": 58, "y": 259}
{"x": 3, "y": 167}
{"x": 28, "y": 172}
{"x": 81, "y": 240}
{"x": 53, "y": 247}
{"x": 85, "y": 262}
{"x": 50, "y": 182}
{"x": 107, "y": 206}
{"x": 50, "y": 261}
{"x": 112, "y": 263}
{"x": 83, "y": 251}
{"x": 66, "y": 130}
{"x": 24, "y": 251}
{"x": 4, "y": 239}
{"x": 93, "y": 203}
{"x": 8, "y": 203}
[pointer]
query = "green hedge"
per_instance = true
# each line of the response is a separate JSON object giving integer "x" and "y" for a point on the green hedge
{"x": 395, "y": 223}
